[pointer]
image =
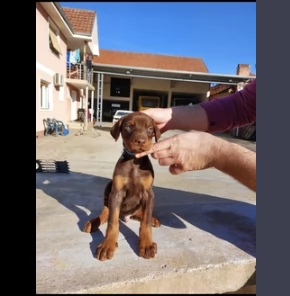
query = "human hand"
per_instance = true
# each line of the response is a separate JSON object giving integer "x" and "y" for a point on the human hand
{"x": 186, "y": 152}
{"x": 161, "y": 116}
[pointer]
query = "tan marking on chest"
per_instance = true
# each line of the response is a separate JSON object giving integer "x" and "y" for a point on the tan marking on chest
{"x": 119, "y": 182}
{"x": 146, "y": 181}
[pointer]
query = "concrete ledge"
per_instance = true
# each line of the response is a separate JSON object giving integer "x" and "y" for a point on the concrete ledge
{"x": 203, "y": 280}
{"x": 204, "y": 246}
{"x": 206, "y": 243}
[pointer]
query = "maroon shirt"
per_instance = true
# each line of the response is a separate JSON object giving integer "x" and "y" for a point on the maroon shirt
{"x": 232, "y": 111}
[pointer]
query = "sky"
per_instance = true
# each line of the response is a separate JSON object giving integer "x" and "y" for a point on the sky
{"x": 222, "y": 34}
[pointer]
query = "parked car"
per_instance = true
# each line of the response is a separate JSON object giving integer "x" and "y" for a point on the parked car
{"x": 119, "y": 114}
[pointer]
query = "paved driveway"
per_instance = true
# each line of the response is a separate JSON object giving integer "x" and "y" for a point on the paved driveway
{"x": 206, "y": 243}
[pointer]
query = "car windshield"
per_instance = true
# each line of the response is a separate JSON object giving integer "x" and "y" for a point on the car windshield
{"x": 121, "y": 113}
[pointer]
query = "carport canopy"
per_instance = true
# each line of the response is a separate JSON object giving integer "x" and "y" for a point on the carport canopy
{"x": 170, "y": 74}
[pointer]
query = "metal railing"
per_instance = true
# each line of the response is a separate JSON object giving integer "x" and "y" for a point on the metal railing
{"x": 77, "y": 71}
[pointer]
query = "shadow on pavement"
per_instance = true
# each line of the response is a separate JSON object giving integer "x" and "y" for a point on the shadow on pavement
{"x": 230, "y": 220}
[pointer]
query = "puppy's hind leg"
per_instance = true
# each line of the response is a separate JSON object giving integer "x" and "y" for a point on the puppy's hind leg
{"x": 139, "y": 214}
{"x": 93, "y": 224}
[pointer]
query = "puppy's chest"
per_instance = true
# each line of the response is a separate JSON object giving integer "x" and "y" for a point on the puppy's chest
{"x": 135, "y": 184}
{"x": 139, "y": 180}
{"x": 135, "y": 191}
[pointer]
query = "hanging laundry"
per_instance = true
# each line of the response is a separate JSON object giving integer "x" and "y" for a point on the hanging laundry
{"x": 73, "y": 57}
{"x": 78, "y": 55}
{"x": 67, "y": 56}
{"x": 68, "y": 59}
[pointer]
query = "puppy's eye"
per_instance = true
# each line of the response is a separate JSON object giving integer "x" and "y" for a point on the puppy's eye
{"x": 150, "y": 129}
{"x": 128, "y": 126}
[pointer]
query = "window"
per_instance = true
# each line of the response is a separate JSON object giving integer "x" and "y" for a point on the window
{"x": 44, "y": 95}
{"x": 120, "y": 87}
{"x": 54, "y": 43}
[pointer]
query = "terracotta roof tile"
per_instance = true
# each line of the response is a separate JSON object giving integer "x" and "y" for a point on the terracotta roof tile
{"x": 216, "y": 89}
{"x": 82, "y": 20}
{"x": 154, "y": 61}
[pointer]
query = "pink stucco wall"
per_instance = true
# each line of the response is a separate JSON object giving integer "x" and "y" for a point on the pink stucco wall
{"x": 47, "y": 63}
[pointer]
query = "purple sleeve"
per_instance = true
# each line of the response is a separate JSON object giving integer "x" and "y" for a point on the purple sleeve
{"x": 232, "y": 111}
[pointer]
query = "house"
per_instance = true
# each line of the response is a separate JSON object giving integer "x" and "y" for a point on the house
{"x": 73, "y": 75}
{"x": 122, "y": 90}
{"x": 223, "y": 90}
{"x": 62, "y": 85}
{"x": 124, "y": 79}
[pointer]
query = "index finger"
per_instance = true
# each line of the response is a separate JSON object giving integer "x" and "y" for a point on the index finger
{"x": 138, "y": 155}
{"x": 162, "y": 145}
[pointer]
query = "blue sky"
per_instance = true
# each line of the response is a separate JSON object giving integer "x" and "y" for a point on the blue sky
{"x": 222, "y": 34}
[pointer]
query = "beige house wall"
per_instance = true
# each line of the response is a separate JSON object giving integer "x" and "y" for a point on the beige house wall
{"x": 47, "y": 64}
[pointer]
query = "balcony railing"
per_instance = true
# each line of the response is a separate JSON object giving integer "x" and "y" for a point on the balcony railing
{"x": 77, "y": 71}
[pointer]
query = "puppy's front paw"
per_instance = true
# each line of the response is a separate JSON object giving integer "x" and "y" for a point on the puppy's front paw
{"x": 147, "y": 249}
{"x": 105, "y": 250}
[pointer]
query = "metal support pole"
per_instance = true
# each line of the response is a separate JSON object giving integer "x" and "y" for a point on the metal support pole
{"x": 100, "y": 99}
{"x": 86, "y": 108}
{"x": 92, "y": 105}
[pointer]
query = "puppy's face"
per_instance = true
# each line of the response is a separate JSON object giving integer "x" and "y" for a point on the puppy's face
{"x": 137, "y": 130}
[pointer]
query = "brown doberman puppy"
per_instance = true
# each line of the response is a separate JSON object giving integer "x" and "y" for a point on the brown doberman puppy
{"x": 129, "y": 194}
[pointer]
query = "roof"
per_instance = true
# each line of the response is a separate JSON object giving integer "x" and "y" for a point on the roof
{"x": 82, "y": 20}
{"x": 219, "y": 88}
{"x": 170, "y": 74}
{"x": 153, "y": 61}
{"x": 216, "y": 89}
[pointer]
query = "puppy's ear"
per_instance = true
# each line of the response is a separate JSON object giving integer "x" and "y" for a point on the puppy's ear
{"x": 116, "y": 129}
{"x": 157, "y": 133}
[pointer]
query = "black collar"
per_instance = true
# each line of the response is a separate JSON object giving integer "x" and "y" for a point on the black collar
{"x": 127, "y": 152}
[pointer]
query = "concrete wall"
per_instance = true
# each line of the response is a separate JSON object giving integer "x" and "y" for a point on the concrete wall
{"x": 47, "y": 64}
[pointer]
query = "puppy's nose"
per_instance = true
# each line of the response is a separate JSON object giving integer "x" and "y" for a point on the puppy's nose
{"x": 140, "y": 141}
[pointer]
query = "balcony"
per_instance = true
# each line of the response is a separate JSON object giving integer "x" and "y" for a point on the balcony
{"x": 79, "y": 76}
{"x": 77, "y": 71}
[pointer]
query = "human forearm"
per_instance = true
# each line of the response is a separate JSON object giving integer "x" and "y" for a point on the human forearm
{"x": 236, "y": 161}
{"x": 217, "y": 115}
{"x": 188, "y": 118}
{"x": 232, "y": 111}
